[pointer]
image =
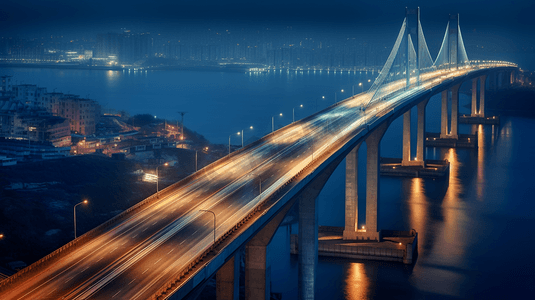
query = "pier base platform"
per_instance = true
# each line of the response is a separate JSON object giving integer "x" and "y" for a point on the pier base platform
{"x": 432, "y": 168}
{"x": 468, "y": 119}
{"x": 396, "y": 246}
{"x": 464, "y": 141}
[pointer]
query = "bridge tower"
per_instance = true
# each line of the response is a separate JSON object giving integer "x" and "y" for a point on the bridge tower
{"x": 452, "y": 53}
{"x": 412, "y": 15}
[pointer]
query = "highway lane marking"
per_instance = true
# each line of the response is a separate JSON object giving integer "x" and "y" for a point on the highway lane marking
{"x": 158, "y": 260}
{"x": 114, "y": 249}
{"x": 182, "y": 242}
{"x": 155, "y": 222}
{"x": 131, "y": 281}
{"x": 171, "y": 251}
{"x": 100, "y": 258}
{"x": 145, "y": 271}
{"x": 134, "y": 236}
{"x": 85, "y": 269}
{"x": 69, "y": 279}
{"x": 52, "y": 291}
{"x": 116, "y": 293}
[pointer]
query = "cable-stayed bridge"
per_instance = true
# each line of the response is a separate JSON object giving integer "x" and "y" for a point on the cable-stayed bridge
{"x": 167, "y": 247}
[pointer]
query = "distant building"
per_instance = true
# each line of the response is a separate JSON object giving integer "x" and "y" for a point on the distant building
{"x": 5, "y": 85}
{"x": 20, "y": 121}
{"x": 83, "y": 114}
{"x": 126, "y": 47}
{"x": 22, "y": 150}
{"x": 29, "y": 94}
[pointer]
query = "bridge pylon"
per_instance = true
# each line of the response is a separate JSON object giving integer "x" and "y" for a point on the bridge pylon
{"x": 452, "y": 53}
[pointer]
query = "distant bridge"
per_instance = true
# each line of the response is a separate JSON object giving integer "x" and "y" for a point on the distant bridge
{"x": 166, "y": 248}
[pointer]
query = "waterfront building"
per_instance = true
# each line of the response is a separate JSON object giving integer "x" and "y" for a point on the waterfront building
{"x": 34, "y": 124}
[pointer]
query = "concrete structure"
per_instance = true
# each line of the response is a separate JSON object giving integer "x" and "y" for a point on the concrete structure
{"x": 398, "y": 246}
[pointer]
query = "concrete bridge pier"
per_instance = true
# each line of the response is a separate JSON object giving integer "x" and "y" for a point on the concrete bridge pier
{"x": 444, "y": 115}
{"x": 371, "y": 230}
{"x": 454, "y": 131}
{"x": 482, "y": 82}
{"x": 481, "y": 111}
{"x": 228, "y": 279}
{"x": 474, "y": 112}
{"x": 352, "y": 201}
{"x": 420, "y": 137}
{"x": 257, "y": 261}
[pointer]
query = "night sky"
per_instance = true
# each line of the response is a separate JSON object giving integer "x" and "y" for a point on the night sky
{"x": 505, "y": 25}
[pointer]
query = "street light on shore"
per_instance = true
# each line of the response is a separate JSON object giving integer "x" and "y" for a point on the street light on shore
{"x": 158, "y": 180}
{"x": 206, "y": 210}
{"x": 74, "y": 209}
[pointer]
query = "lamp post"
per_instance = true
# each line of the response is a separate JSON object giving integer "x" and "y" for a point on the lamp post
{"x": 74, "y": 209}
{"x": 241, "y": 133}
{"x": 206, "y": 210}
{"x": 158, "y": 180}
{"x": 293, "y": 112}
{"x": 273, "y": 122}
{"x": 335, "y": 95}
{"x": 362, "y": 87}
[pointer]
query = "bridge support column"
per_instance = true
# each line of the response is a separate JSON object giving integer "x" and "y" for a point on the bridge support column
{"x": 406, "y": 159}
{"x": 352, "y": 201}
{"x": 474, "y": 97}
{"x": 455, "y": 112}
{"x": 308, "y": 232}
{"x": 420, "y": 139}
{"x": 444, "y": 116}
{"x": 372, "y": 182}
{"x": 482, "y": 81}
{"x": 228, "y": 279}
{"x": 257, "y": 262}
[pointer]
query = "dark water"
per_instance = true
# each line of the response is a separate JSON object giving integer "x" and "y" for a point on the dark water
{"x": 475, "y": 228}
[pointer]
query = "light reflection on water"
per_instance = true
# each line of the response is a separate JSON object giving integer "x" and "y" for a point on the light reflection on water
{"x": 357, "y": 282}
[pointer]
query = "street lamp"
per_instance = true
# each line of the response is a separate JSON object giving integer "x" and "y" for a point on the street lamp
{"x": 241, "y": 133}
{"x": 362, "y": 87}
{"x": 158, "y": 180}
{"x": 293, "y": 112}
{"x": 273, "y": 122}
{"x": 335, "y": 95}
{"x": 74, "y": 209}
{"x": 206, "y": 210}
